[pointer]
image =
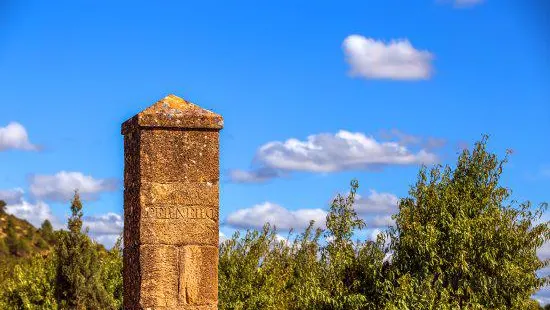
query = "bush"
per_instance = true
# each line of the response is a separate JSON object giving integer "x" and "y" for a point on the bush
{"x": 31, "y": 286}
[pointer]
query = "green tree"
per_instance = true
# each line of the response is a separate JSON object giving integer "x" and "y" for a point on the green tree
{"x": 460, "y": 243}
{"x": 339, "y": 256}
{"x": 2, "y": 207}
{"x": 31, "y": 285}
{"x": 262, "y": 271}
{"x": 47, "y": 232}
{"x": 252, "y": 271}
{"x": 79, "y": 268}
{"x": 112, "y": 274}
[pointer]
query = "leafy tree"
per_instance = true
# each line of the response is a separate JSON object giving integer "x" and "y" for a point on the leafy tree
{"x": 2, "y": 207}
{"x": 459, "y": 243}
{"x": 31, "y": 286}
{"x": 252, "y": 271}
{"x": 261, "y": 271}
{"x": 79, "y": 273}
{"x": 111, "y": 276}
{"x": 47, "y": 232}
{"x": 341, "y": 266}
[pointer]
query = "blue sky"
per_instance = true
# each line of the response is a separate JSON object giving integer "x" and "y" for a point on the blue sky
{"x": 392, "y": 79}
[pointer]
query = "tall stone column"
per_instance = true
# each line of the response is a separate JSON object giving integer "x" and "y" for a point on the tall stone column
{"x": 171, "y": 207}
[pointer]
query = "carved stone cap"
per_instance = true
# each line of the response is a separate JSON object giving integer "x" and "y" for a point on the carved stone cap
{"x": 174, "y": 112}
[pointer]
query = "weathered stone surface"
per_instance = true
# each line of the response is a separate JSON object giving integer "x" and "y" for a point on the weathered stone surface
{"x": 159, "y": 275}
{"x": 179, "y": 231}
{"x": 174, "y": 112}
{"x": 131, "y": 277}
{"x": 179, "y": 156}
{"x": 179, "y": 307}
{"x": 182, "y": 193}
{"x": 132, "y": 186}
{"x": 198, "y": 280}
{"x": 171, "y": 207}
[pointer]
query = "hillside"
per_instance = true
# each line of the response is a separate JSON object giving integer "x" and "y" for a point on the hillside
{"x": 19, "y": 238}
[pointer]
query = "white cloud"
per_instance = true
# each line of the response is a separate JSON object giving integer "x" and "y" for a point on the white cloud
{"x": 10, "y": 196}
{"x": 34, "y": 213}
{"x": 14, "y": 136}
{"x": 377, "y": 208}
{"x": 376, "y": 203}
{"x": 108, "y": 241}
{"x": 105, "y": 228}
{"x": 105, "y": 224}
{"x": 282, "y": 218}
{"x": 379, "y": 221}
{"x": 61, "y": 186}
{"x": 543, "y": 295}
{"x": 544, "y": 251}
{"x": 326, "y": 152}
{"x": 396, "y": 60}
{"x": 336, "y": 152}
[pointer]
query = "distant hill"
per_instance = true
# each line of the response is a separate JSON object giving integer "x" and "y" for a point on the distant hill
{"x": 19, "y": 238}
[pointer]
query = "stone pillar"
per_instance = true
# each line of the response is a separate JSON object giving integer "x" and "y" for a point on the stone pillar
{"x": 171, "y": 207}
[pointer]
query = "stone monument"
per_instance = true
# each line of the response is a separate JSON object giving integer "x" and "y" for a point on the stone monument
{"x": 171, "y": 207}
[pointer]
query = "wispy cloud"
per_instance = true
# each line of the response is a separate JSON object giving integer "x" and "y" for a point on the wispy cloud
{"x": 61, "y": 186}
{"x": 461, "y": 4}
{"x": 325, "y": 152}
{"x": 14, "y": 137}
{"x": 467, "y": 3}
{"x": 407, "y": 139}
{"x": 260, "y": 175}
{"x": 11, "y": 196}
{"x": 396, "y": 60}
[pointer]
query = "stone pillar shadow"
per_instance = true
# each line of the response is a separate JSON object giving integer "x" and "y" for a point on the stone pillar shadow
{"x": 171, "y": 207}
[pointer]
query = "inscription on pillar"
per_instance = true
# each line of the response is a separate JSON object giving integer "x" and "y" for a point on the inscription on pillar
{"x": 175, "y": 213}
{"x": 171, "y": 207}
